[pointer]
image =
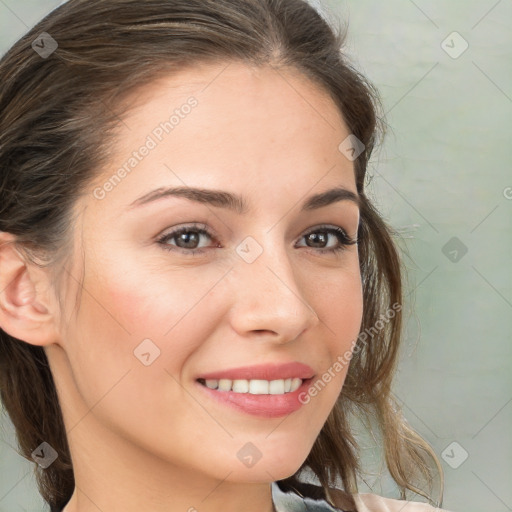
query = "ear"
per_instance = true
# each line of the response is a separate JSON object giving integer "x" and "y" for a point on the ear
{"x": 26, "y": 313}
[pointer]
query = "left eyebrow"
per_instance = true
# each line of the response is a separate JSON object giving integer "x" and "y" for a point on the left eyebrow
{"x": 237, "y": 203}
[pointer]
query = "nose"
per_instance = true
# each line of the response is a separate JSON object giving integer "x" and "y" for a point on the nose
{"x": 268, "y": 303}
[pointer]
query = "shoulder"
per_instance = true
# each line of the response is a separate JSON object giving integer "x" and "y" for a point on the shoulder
{"x": 302, "y": 497}
{"x": 375, "y": 503}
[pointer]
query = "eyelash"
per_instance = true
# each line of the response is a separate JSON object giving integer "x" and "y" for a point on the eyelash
{"x": 340, "y": 234}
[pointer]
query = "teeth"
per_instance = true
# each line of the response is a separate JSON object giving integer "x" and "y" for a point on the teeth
{"x": 296, "y": 383}
{"x": 224, "y": 385}
{"x": 255, "y": 386}
{"x": 258, "y": 387}
{"x": 276, "y": 387}
{"x": 212, "y": 384}
{"x": 240, "y": 386}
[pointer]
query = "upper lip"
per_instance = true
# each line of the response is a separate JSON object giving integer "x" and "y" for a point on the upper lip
{"x": 263, "y": 372}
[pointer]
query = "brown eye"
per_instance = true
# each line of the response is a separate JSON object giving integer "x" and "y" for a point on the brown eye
{"x": 186, "y": 239}
{"x": 320, "y": 237}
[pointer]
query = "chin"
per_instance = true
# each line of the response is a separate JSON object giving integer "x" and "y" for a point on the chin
{"x": 263, "y": 474}
{"x": 271, "y": 466}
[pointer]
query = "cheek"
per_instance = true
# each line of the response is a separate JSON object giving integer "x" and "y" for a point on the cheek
{"x": 121, "y": 326}
{"x": 148, "y": 305}
{"x": 339, "y": 304}
{"x": 175, "y": 311}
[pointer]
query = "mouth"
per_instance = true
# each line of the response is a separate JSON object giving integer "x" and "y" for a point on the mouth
{"x": 255, "y": 386}
{"x": 256, "y": 397}
{"x": 268, "y": 390}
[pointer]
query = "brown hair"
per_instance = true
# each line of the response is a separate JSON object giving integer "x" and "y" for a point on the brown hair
{"x": 58, "y": 115}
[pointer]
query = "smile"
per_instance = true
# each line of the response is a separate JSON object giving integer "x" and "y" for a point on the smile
{"x": 254, "y": 386}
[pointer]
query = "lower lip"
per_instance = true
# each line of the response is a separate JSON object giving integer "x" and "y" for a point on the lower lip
{"x": 266, "y": 406}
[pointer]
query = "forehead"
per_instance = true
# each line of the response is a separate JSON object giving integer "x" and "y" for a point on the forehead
{"x": 241, "y": 82}
{"x": 234, "y": 94}
{"x": 229, "y": 124}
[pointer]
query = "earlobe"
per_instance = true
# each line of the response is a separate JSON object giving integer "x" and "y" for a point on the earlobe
{"x": 23, "y": 314}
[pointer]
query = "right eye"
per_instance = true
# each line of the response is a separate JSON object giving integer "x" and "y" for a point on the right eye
{"x": 188, "y": 237}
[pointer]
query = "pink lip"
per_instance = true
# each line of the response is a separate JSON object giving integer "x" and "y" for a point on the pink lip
{"x": 263, "y": 372}
{"x": 266, "y": 406}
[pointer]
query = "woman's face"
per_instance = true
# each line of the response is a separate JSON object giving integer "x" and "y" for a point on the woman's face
{"x": 253, "y": 289}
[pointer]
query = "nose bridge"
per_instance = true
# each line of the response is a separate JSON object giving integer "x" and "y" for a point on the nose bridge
{"x": 268, "y": 297}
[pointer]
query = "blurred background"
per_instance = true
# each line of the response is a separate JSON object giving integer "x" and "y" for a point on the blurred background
{"x": 443, "y": 180}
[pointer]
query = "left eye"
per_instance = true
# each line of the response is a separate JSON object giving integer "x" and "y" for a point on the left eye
{"x": 187, "y": 239}
{"x": 320, "y": 234}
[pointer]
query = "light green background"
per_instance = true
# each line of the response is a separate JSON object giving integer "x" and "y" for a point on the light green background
{"x": 443, "y": 172}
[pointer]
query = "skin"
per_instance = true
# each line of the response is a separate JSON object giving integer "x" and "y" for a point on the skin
{"x": 145, "y": 437}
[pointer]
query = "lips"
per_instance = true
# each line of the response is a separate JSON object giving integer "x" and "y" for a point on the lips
{"x": 263, "y": 372}
{"x": 250, "y": 394}
{"x": 262, "y": 405}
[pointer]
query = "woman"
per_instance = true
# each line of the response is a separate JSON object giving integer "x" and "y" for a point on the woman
{"x": 197, "y": 295}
